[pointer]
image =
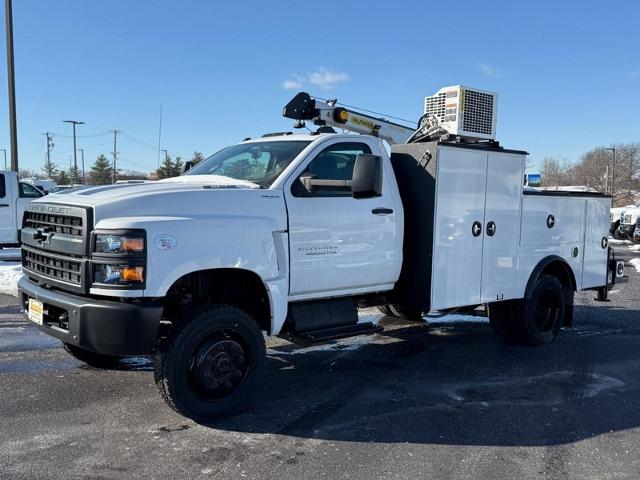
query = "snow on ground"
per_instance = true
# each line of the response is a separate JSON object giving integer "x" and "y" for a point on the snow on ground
{"x": 615, "y": 241}
{"x": 635, "y": 262}
{"x": 634, "y": 248}
{"x": 10, "y": 273}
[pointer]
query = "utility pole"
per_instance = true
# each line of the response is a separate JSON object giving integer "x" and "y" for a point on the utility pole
{"x": 115, "y": 154}
{"x": 613, "y": 172}
{"x": 75, "y": 159}
{"x": 11, "y": 83}
{"x": 49, "y": 148}
{"x": 159, "y": 135}
{"x": 84, "y": 178}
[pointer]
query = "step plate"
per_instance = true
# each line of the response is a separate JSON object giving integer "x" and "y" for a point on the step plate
{"x": 326, "y": 334}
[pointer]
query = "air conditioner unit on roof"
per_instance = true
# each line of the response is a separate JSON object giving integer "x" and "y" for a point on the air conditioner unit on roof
{"x": 464, "y": 111}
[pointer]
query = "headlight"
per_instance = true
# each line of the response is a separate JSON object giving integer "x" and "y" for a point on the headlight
{"x": 118, "y": 275}
{"x": 119, "y": 244}
{"x": 119, "y": 259}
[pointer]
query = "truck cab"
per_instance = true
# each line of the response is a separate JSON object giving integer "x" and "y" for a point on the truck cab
{"x": 14, "y": 197}
{"x": 628, "y": 223}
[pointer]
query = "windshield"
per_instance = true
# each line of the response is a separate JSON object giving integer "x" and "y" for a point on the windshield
{"x": 258, "y": 162}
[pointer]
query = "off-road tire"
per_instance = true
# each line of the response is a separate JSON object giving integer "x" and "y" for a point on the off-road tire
{"x": 173, "y": 365}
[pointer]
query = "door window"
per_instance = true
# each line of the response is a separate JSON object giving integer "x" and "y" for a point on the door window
{"x": 28, "y": 191}
{"x": 333, "y": 168}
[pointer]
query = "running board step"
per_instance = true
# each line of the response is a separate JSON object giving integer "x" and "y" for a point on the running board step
{"x": 313, "y": 337}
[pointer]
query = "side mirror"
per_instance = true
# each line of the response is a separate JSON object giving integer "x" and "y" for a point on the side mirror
{"x": 367, "y": 176}
{"x": 186, "y": 166}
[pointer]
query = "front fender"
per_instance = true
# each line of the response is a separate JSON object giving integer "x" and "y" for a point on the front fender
{"x": 252, "y": 243}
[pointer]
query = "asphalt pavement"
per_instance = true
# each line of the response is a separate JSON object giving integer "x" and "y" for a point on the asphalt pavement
{"x": 448, "y": 400}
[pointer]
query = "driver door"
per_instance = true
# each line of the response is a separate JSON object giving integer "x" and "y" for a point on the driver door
{"x": 339, "y": 244}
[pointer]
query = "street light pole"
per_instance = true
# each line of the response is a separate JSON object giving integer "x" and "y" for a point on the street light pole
{"x": 4, "y": 150}
{"x": 11, "y": 83}
{"x": 84, "y": 178}
{"x": 613, "y": 172}
{"x": 75, "y": 159}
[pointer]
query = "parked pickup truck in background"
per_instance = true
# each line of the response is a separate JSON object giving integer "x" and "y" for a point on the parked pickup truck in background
{"x": 14, "y": 197}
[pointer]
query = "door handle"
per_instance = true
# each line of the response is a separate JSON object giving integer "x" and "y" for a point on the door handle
{"x": 4, "y": 204}
{"x": 382, "y": 211}
{"x": 476, "y": 229}
{"x": 491, "y": 228}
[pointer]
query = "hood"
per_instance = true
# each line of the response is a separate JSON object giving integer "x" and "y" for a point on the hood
{"x": 104, "y": 194}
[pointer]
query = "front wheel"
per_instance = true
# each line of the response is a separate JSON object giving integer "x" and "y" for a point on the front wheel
{"x": 212, "y": 364}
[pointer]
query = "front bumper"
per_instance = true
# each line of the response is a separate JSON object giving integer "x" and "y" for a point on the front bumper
{"x": 102, "y": 326}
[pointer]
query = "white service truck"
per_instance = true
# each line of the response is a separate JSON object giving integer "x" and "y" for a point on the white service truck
{"x": 289, "y": 235}
{"x": 14, "y": 197}
{"x": 628, "y": 227}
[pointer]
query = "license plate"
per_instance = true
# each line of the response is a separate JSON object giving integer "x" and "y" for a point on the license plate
{"x": 36, "y": 311}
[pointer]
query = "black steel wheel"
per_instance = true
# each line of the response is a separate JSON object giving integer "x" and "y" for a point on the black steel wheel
{"x": 212, "y": 364}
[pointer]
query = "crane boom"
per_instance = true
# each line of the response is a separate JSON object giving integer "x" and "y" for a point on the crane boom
{"x": 304, "y": 107}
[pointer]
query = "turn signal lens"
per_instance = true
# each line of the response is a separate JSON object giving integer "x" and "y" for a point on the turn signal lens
{"x": 132, "y": 274}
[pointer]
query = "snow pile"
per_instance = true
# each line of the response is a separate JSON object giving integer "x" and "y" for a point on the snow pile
{"x": 10, "y": 273}
{"x": 635, "y": 262}
{"x": 634, "y": 248}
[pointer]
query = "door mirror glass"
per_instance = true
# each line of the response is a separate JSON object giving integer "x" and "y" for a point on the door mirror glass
{"x": 367, "y": 176}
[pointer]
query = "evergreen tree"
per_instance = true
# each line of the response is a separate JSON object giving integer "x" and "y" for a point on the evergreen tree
{"x": 101, "y": 171}
{"x": 72, "y": 174}
{"x": 177, "y": 167}
{"x": 167, "y": 168}
{"x": 63, "y": 178}
{"x": 50, "y": 169}
{"x": 197, "y": 158}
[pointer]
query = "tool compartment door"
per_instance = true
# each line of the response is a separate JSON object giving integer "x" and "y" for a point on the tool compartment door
{"x": 457, "y": 246}
{"x": 501, "y": 226}
{"x": 594, "y": 268}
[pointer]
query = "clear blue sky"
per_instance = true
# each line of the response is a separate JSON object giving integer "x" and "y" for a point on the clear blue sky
{"x": 568, "y": 72}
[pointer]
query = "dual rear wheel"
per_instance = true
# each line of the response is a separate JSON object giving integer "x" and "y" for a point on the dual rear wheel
{"x": 535, "y": 320}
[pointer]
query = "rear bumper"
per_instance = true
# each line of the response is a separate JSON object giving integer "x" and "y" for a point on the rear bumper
{"x": 102, "y": 326}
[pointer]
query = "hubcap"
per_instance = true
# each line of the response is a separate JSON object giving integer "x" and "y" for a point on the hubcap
{"x": 218, "y": 366}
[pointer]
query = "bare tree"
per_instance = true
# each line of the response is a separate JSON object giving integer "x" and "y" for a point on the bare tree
{"x": 556, "y": 172}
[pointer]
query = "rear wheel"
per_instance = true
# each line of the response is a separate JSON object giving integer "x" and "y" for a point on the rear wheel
{"x": 385, "y": 310}
{"x": 97, "y": 360}
{"x": 539, "y": 318}
{"x": 212, "y": 365}
{"x": 535, "y": 321}
{"x": 405, "y": 313}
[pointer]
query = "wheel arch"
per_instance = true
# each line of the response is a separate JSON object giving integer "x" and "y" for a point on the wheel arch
{"x": 239, "y": 287}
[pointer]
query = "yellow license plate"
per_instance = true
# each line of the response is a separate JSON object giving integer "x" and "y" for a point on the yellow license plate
{"x": 36, "y": 311}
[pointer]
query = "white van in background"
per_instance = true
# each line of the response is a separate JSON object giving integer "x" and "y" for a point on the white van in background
{"x": 14, "y": 197}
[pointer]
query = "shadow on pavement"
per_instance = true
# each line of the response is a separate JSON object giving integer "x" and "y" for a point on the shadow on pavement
{"x": 455, "y": 384}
